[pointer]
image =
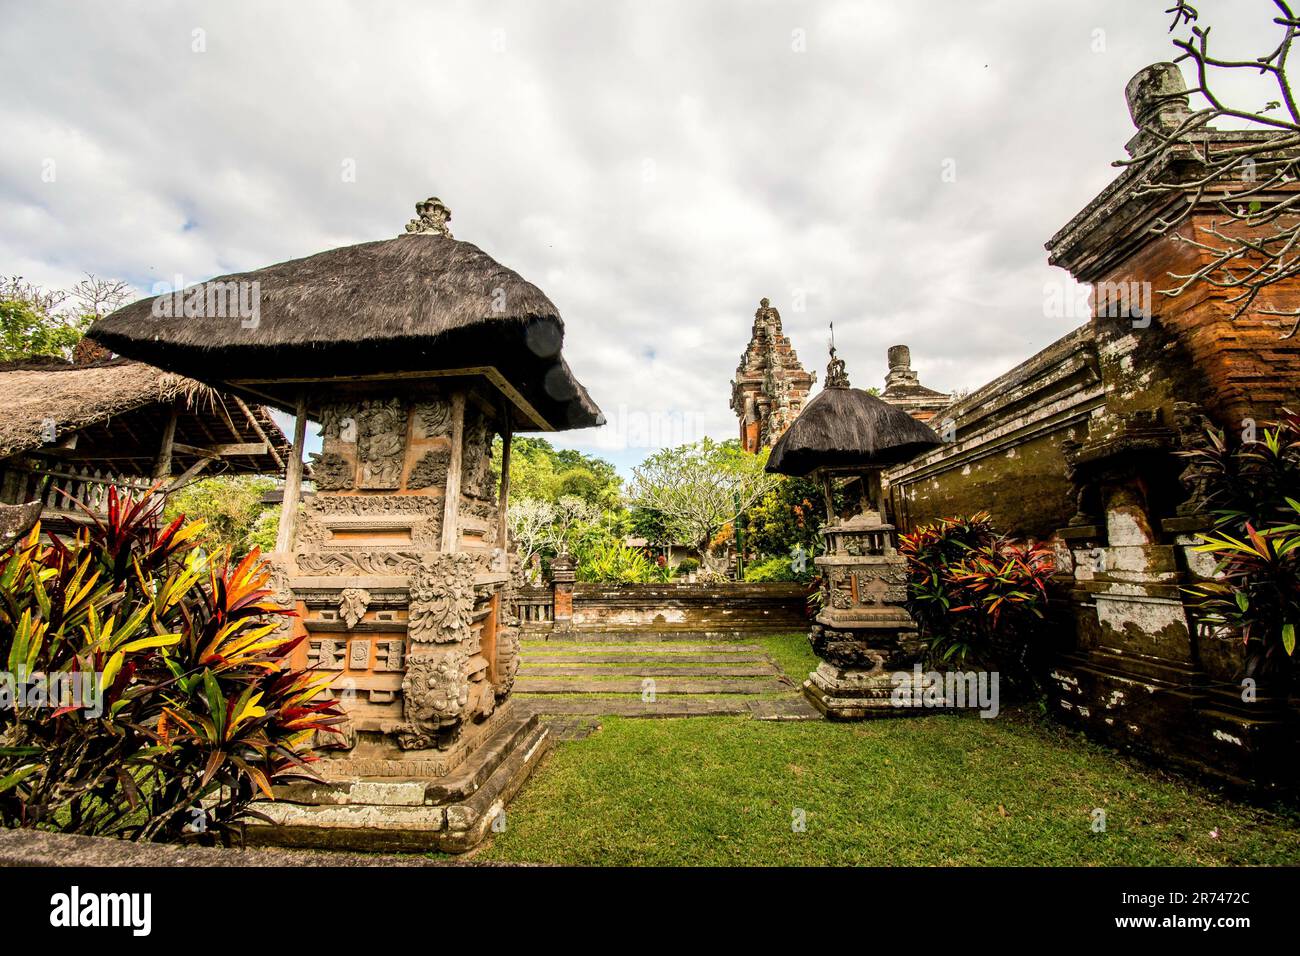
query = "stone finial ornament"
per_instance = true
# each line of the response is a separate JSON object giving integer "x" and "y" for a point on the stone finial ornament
{"x": 836, "y": 374}
{"x": 1157, "y": 96}
{"x": 432, "y": 217}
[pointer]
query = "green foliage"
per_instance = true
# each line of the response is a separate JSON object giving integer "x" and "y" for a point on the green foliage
{"x": 193, "y": 708}
{"x": 773, "y": 569}
{"x": 33, "y": 320}
{"x": 699, "y": 489}
{"x": 973, "y": 592}
{"x": 787, "y": 517}
{"x": 612, "y": 562}
{"x": 27, "y": 329}
{"x": 1251, "y": 488}
{"x": 232, "y": 511}
{"x": 541, "y": 472}
{"x": 687, "y": 566}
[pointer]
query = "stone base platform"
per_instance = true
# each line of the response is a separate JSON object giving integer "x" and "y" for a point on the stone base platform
{"x": 452, "y": 813}
{"x": 1171, "y": 714}
{"x": 842, "y": 693}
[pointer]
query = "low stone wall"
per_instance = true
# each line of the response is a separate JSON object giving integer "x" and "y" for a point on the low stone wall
{"x": 1005, "y": 455}
{"x": 667, "y": 610}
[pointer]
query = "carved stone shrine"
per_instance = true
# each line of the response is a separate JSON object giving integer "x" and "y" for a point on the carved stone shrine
{"x": 412, "y": 354}
{"x": 864, "y": 635}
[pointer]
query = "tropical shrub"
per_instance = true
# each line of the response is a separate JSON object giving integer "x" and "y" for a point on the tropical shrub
{"x": 975, "y": 593}
{"x": 777, "y": 569}
{"x": 613, "y": 562}
{"x": 1251, "y": 488}
{"x": 176, "y": 702}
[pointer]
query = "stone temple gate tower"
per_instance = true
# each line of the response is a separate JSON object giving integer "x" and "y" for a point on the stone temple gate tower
{"x": 771, "y": 386}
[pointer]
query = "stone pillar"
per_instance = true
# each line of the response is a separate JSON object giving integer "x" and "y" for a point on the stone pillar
{"x": 563, "y": 575}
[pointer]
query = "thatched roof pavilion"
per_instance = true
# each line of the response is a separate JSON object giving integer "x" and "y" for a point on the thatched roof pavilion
{"x": 848, "y": 429}
{"x": 69, "y": 431}
{"x": 421, "y": 304}
{"x": 119, "y": 409}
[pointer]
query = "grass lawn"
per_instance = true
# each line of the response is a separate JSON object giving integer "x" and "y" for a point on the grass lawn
{"x": 943, "y": 789}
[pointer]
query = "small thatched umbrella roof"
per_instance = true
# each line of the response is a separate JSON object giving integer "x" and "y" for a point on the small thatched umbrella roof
{"x": 119, "y": 408}
{"x": 845, "y": 428}
{"x": 421, "y": 303}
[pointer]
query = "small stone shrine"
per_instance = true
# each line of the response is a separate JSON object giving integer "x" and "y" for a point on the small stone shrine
{"x": 412, "y": 354}
{"x": 842, "y": 440}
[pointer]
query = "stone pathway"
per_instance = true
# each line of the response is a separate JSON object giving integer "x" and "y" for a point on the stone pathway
{"x": 629, "y": 677}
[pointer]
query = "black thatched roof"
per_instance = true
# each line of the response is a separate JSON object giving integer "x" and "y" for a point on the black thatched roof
{"x": 417, "y": 303}
{"x": 845, "y": 428}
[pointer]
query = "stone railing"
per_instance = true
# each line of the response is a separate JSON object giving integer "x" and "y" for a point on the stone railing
{"x": 534, "y": 607}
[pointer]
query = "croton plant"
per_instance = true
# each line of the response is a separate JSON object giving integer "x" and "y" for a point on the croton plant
{"x": 147, "y": 690}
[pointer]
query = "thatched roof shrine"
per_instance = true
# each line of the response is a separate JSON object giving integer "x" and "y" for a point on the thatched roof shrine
{"x": 846, "y": 428}
{"x": 114, "y": 413}
{"x": 420, "y": 305}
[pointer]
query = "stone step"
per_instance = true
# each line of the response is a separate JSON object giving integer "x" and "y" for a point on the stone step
{"x": 530, "y": 656}
{"x": 535, "y": 669}
{"x": 631, "y": 647}
{"x": 642, "y": 637}
{"x": 665, "y": 685}
{"x": 610, "y": 707}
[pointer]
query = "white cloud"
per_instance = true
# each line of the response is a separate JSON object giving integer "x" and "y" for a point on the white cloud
{"x": 655, "y": 168}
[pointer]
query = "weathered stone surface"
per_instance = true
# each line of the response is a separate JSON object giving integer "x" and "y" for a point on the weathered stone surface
{"x": 44, "y": 849}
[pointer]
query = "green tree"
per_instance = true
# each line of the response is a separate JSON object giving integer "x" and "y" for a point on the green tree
{"x": 36, "y": 321}
{"x": 787, "y": 517}
{"x": 701, "y": 488}
{"x": 541, "y": 472}
{"x": 233, "y": 509}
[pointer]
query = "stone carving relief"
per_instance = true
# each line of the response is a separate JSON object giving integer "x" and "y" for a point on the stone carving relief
{"x": 359, "y": 654}
{"x": 326, "y": 654}
{"x": 434, "y": 696}
{"x": 431, "y": 470}
{"x": 476, "y": 476}
{"x": 357, "y": 562}
{"x": 442, "y": 598}
{"x": 390, "y": 656}
{"x": 281, "y": 596}
{"x": 332, "y": 472}
{"x": 381, "y": 442}
{"x": 507, "y": 661}
{"x": 353, "y": 603}
{"x": 433, "y": 419}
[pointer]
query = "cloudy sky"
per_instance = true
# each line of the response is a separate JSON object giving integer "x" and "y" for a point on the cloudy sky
{"x": 655, "y": 167}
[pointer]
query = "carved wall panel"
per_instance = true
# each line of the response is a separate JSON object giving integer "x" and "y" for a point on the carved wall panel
{"x": 381, "y": 443}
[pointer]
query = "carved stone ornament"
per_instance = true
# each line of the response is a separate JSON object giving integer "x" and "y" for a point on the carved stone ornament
{"x": 434, "y": 695}
{"x": 353, "y": 603}
{"x": 432, "y": 217}
{"x": 433, "y": 418}
{"x": 476, "y": 474}
{"x": 366, "y": 505}
{"x": 836, "y": 374}
{"x": 431, "y": 470}
{"x": 281, "y": 596}
{"x": 381, "y": 443}
{"x": 442, "y": 599}
{"x": 357, "y": 562}
{"x": 507, "y": 662}
{"x": 332, "y": 472}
